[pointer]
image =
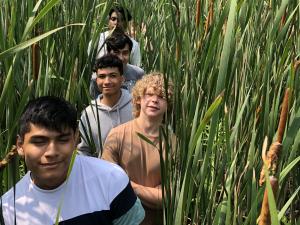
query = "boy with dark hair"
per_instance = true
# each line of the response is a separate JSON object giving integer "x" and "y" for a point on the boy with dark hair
{"x": 79, "y": 193}
{"x": 109, "y": 109}
{"x": 117, "y": 41}
{"x": 119, "y": 44}
{"x": 140, "y": 159}
{"x": 118, "y": 18}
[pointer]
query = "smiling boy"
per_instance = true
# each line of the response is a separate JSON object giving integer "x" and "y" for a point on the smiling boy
{"x": 138, "y": 158}
{"x": 111, "y": 108}
{"x": 47, "y": 139}
{"x": 120, "y": 45}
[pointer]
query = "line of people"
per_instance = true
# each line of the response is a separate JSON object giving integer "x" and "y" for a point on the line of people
{"x": 127, "y": 108}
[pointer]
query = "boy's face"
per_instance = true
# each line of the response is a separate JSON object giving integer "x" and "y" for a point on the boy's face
{"x": 153, "y": 105}
{"x": 109, "y": 81}
{"x": 47, "y": 154}
{"x": 123, "y": 54}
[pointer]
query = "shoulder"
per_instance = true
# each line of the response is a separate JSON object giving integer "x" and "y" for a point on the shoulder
{"x": 134, "y": 215}
{"x": 118, "y": 134}
{"x": 101, "y": 168}
{"x": 100, "y": 172}
{"x": 136, "y": 69}
{"x": 134, "y": 43}
{"x": 104, "y": 35}
{"x": 8, "y": 199}
{"x": 85, "y": 115}
{"x": 122, "y": 127}
{"x": 16, "y": 193}
{"x": 126, "y": 94}
{"x": 87, "y": 109}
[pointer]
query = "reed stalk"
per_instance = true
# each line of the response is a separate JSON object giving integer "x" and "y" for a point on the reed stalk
{"x": 244, "y": 52}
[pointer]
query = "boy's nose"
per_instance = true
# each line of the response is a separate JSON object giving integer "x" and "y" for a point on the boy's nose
{"x": 51, "y": 150}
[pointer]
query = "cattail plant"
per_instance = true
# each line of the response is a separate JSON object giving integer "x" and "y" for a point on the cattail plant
{"x": 237, "y": 53}
{"x": 9, "y": 156}
{"x": 271, "y": 160}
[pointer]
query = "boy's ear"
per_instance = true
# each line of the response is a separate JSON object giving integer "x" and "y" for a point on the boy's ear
{"x": 20, "y": 146}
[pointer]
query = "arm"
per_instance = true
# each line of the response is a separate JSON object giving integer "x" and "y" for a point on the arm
{"x": 83, "y": 148}
{"x": 87, "y": 142}
{"x": 133, "y": 216}
{"x": 110, "y": 150}
{"x": 125, "y": 207}
{"x": 150, "y": 196}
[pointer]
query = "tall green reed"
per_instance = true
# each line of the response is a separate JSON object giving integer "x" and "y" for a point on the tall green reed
{"x": 249, "y": 54}
{"x": 229, "y": 78}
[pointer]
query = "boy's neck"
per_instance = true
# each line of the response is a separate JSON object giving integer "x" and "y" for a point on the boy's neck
{"x": 110, "y": 100}
{"x": 148, "y": 125}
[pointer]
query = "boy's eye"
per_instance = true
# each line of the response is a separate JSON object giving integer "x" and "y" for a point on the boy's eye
{"x": 63, "y": 140}
{"x": 38, "y": 141}
{"x": 102, "y": 76}
{"x": 149, "y": 95}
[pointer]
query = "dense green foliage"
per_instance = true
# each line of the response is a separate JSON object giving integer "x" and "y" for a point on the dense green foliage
{"x": 230, "y": 72}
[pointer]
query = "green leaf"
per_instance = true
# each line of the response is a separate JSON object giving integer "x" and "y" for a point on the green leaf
{"x": 287, "y": 204}
{"x": 146, "y": 139}
{"x": 288, "y": 168}
{"x": 63, "y": 195}
{"x": 28, "y": 43}
{"x": 213, "y": 107}
{"x": 271, "y": 199}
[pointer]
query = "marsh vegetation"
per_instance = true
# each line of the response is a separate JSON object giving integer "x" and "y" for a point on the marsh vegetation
{"x": 230, "y": 61}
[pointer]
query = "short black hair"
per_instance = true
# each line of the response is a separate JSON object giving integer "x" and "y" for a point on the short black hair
{"x": 50, "y": 112}
{"x": 108, "y": 60}
{"x": 117, "y": 40}
{"x": 123, "y": 11}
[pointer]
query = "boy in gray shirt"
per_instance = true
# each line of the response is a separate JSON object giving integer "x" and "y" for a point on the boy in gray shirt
{"x": 111, "y": 108}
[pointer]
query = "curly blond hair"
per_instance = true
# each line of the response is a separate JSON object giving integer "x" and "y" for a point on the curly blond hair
{"x": 153, "y": 80}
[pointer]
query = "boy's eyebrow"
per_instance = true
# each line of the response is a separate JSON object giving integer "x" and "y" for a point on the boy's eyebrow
{"x": 65, "y": 134}
{"x": 107, "y": 73}
{"x": 38, "y": 137}
{"x": 44, "y": 136}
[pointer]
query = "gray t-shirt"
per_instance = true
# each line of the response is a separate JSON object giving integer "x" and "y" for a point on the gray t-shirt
{"x": 132, "y": 74}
